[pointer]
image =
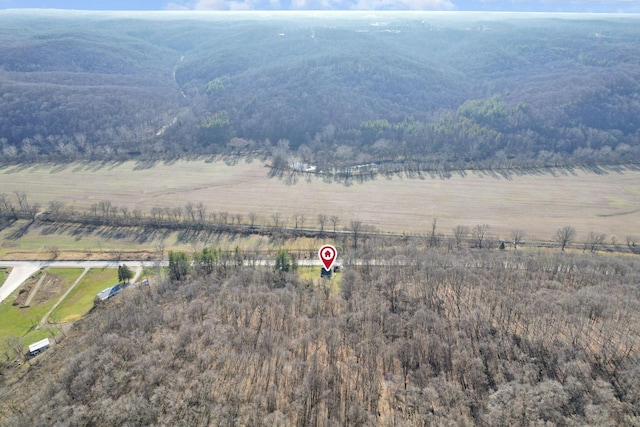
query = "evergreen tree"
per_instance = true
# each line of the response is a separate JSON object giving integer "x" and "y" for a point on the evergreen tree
{"x": 285, "y": 261}
{"x": 178, "y": 265}
{"x": 124, "y": 273}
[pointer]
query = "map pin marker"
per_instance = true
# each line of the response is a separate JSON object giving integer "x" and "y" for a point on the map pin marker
{"x": 327, "y": 255}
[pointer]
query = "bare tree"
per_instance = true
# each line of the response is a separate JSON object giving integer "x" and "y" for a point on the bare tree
{"x": 54, "y": 252}
{"x": 434, "y": 240}
{"x": 16, "y": 346}
{"x": 356, "y": 229}
{"x": 177, "y": 214}
{"x": 252, "y": 218}
{"x": 594, "y": 240}
{"x": 201, "y": 211}
{"x": 223, "y": 217}
{"x": 124, "y": 210}
{"x": 190, "y": 211}
{"x": 33, "y": 210}
{"x": 479, "y": 232}
{"x": 160, "y": 250}
{"x": 334, "y": 221}
{"x": 459, "y": 233}
{"x": 322, "y": 220}
{"x": 5, "y": 204}
{"x": 565, "y": 236}
{"x": 276, "y": 218}
{"x": 105, "y": 207}
{"x": 517, "y": 236}
{"x": 55, "y": 208}
{"x": 21, "y": 198}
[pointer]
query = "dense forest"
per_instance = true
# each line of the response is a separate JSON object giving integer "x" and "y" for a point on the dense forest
{"x": 425, "y": 338}
{"x": 327, "y": 89}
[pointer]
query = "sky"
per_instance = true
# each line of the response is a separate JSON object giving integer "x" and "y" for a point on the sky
{"x": 591, "y": 6}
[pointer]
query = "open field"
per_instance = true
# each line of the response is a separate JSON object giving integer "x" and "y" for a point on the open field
{"x": 539, "y": 203}
{"x": 102, "y": 243}
{"x": 22, "y": 322}
{"x": 81, "y": 298}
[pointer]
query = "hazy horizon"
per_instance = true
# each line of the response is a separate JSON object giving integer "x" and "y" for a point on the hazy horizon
{"x": 559, "y": 6}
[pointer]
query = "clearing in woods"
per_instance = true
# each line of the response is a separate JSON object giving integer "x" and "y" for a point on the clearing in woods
{"x": 20, "y": 321}
{"x": 80, "y": 299}
{"x": 538, "y": 203}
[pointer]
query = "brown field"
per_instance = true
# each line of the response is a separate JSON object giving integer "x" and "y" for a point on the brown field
{"x": 539, "y": 203}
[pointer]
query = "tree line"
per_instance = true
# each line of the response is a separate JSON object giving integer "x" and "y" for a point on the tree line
{"x": 354, "y": 234}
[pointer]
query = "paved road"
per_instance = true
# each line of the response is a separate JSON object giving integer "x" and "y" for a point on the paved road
{"x": 22, "y": 270}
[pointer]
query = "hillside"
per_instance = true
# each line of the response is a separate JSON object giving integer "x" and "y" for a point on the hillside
{"x": 332, "y": 89}
{"x": 427, "y": 339}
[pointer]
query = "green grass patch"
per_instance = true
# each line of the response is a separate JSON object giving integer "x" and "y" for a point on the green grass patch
{"x": 313, "y": 274}
{"x": 69, "y": 275}
{"x": 22, "y": 322}
{"x": 80, "y": 300}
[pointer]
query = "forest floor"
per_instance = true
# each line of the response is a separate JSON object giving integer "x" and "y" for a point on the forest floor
{"x": 539, "y": 202}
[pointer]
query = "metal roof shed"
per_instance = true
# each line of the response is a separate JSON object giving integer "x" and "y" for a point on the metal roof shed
{"x": 109, "y": 292}
{"x": 39, "y": 347}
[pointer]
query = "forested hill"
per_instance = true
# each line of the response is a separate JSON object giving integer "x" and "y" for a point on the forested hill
{"x": 460, "y": 89}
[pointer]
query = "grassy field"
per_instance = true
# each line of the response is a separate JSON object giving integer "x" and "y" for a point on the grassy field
{"x": 539, "y": 203}
{"x": 4, "y": 273}
{"x": 103, "y": 243}
{"x": 313, "y": 274}
{"x": 22, "y": 322}
{"x": 81, "y": 298}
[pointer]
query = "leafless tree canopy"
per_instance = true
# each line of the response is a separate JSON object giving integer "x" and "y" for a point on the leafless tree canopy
{"x": 565, "y": 236}
{"x": 479, "y": 232}
{"x": 460, "y": 232}
{"x": 430, "y": 338}
{"x": 594, "y": 240}
{"x": 517, "y": 236}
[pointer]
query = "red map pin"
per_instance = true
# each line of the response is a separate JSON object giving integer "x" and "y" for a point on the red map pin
{"x": 327, "y": 255}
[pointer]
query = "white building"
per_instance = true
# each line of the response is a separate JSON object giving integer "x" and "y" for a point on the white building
{"x": 38, "y": 347}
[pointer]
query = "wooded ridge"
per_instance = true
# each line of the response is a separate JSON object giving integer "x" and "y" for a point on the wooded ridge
{"x": 422, "y": 90}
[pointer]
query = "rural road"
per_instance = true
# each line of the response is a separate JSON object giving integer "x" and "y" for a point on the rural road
{"x": 22, "y": 270}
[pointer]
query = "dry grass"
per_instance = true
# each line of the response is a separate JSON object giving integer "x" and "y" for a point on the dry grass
{"x": 539, "y": 204}
{"x": 102, "y": 243}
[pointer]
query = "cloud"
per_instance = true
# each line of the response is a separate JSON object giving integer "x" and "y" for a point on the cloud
{"x": 175, "y": 6}
{"x": 622, "y": 6}
{"x": 200, "y": 5}
{"x": 310, "y": 5}
{"x": 515, "y": 5}
{"x": 404, "y": 5}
